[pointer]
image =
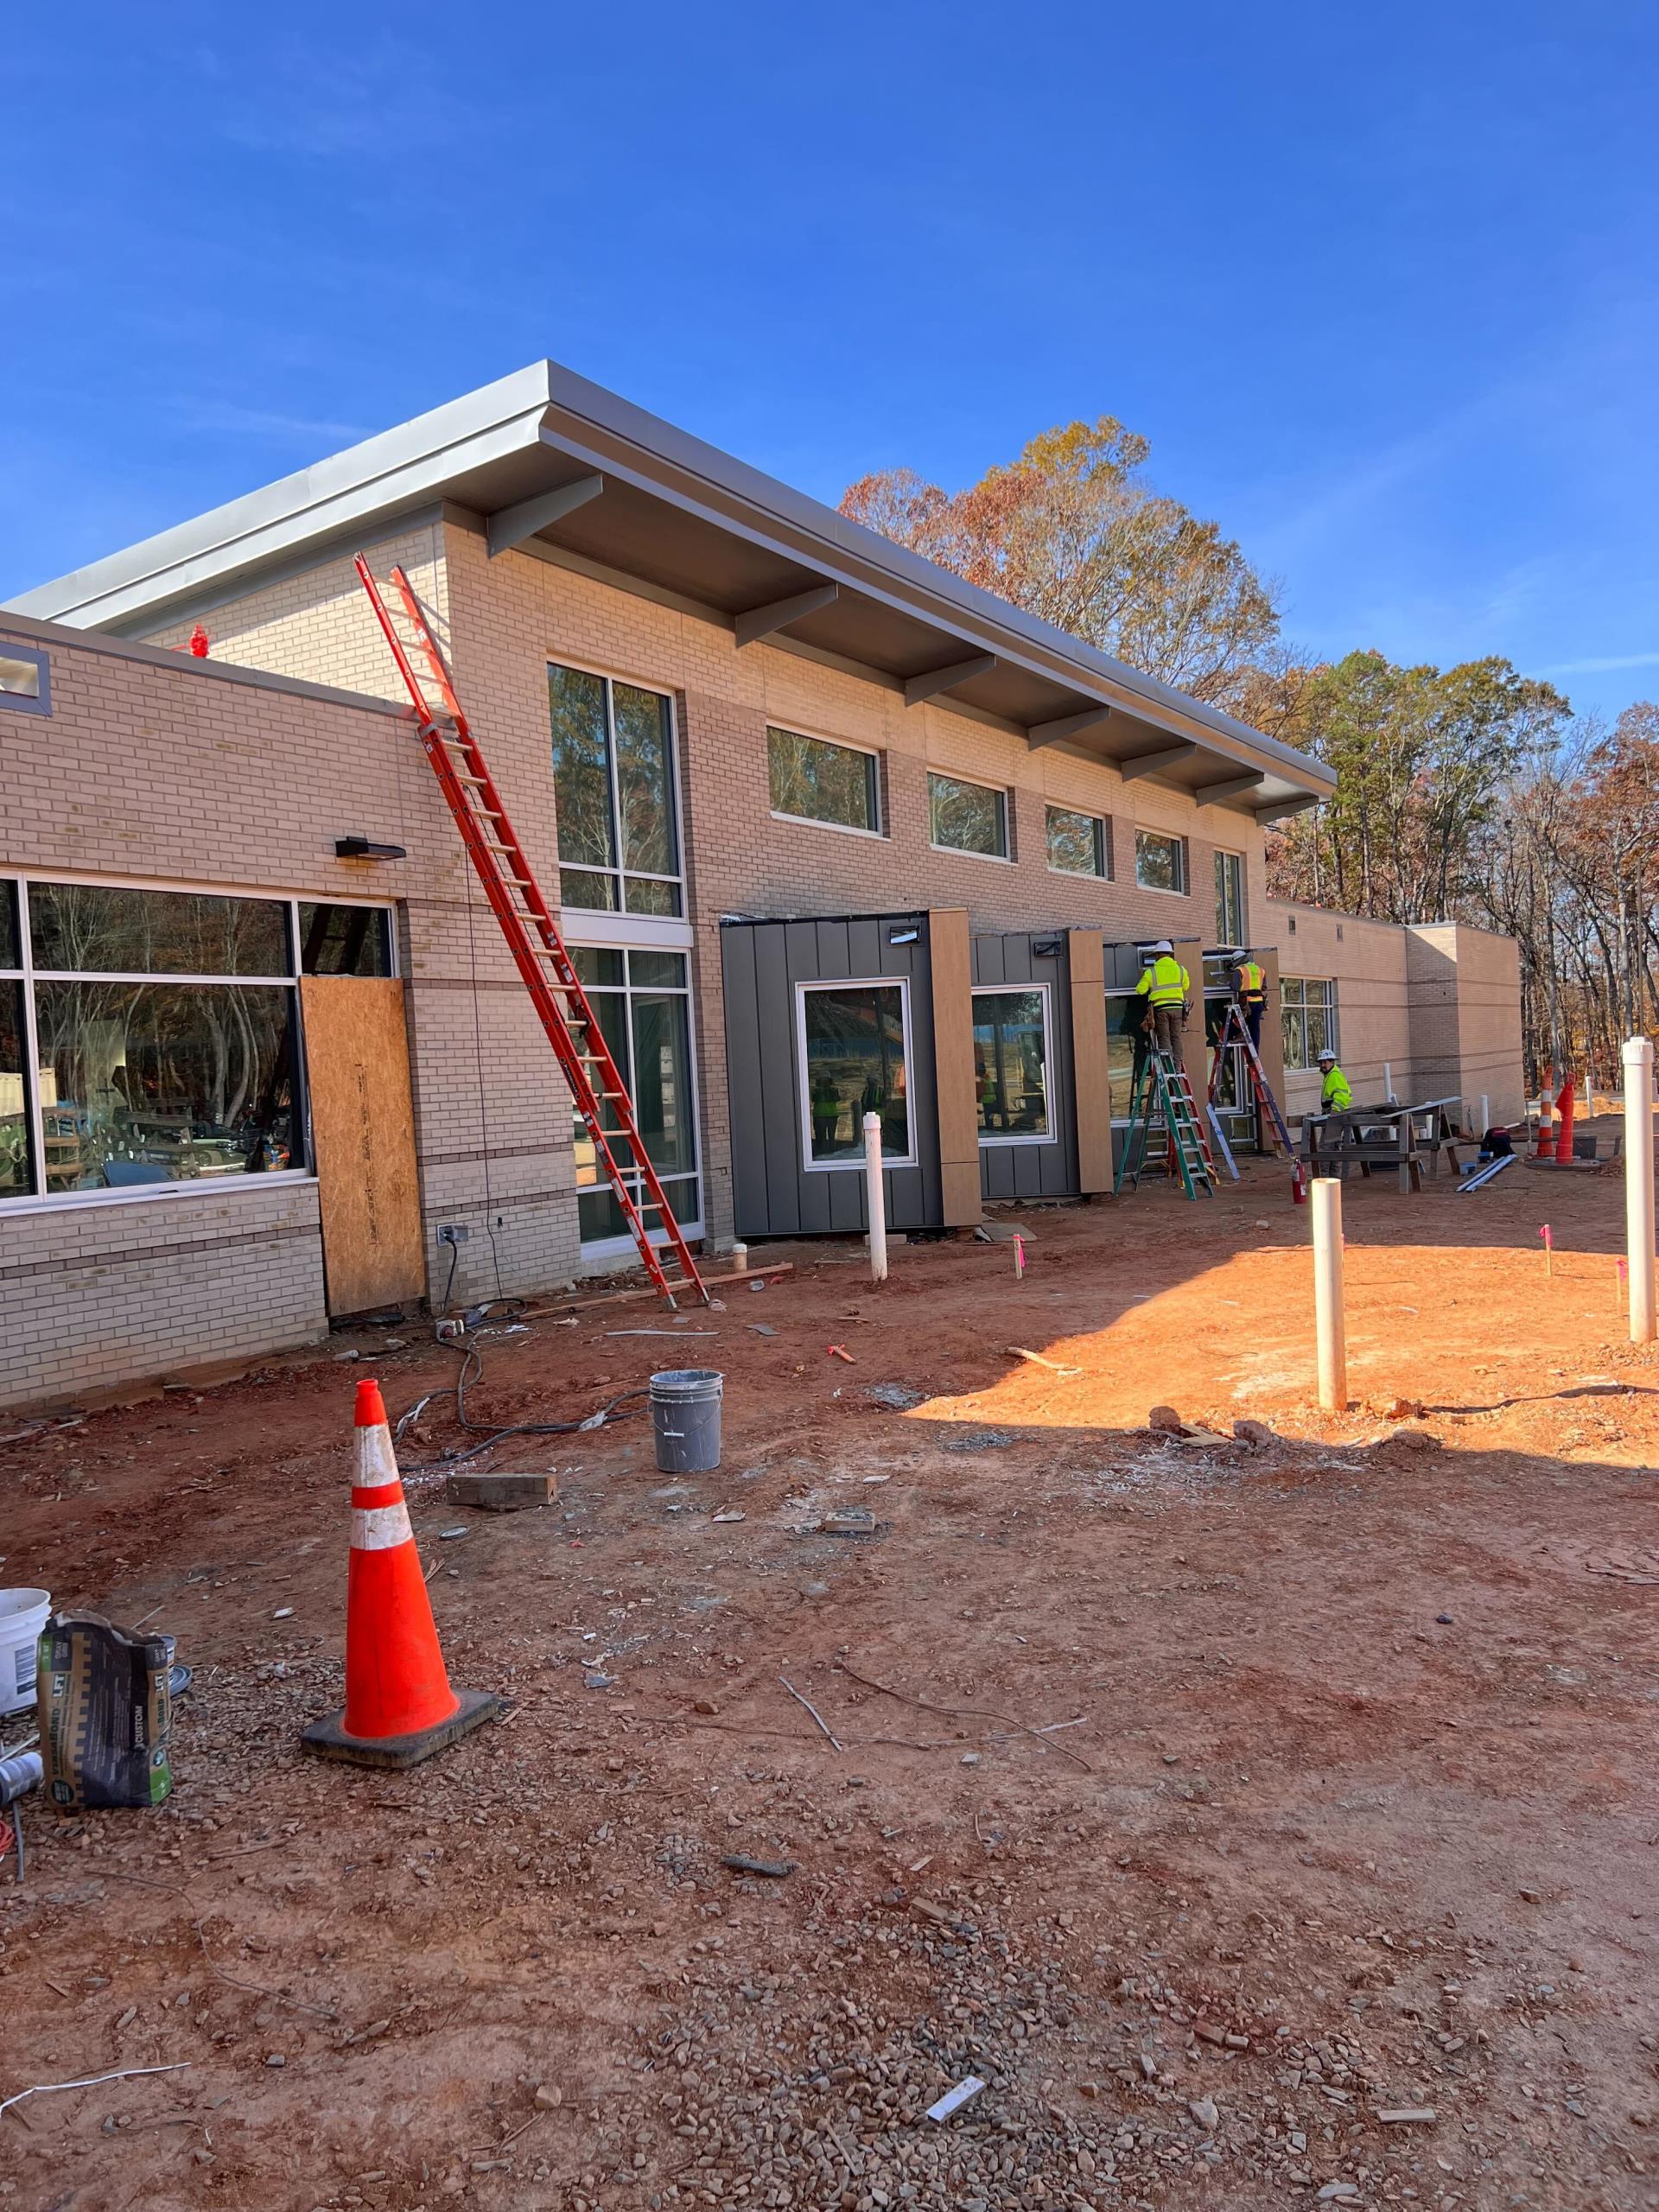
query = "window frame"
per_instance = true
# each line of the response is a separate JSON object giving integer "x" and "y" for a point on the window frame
{"x": 20, "y": 702}
{"x": 802, "y": 1083}
{"x": 1328, "y": 1004}
{"x": 606, "y": 1248}
{"x": 1183, "y": 888}
{"x": 871, "y": 752}
{"x": 1102, "y": 843}
{"x": 1224, "y": 853}
{"x": 42, "y": 1201}
{"x": 1005, "y": 795}
{"x": 620, "y": 873}
{"x": 1051, "y": 1135}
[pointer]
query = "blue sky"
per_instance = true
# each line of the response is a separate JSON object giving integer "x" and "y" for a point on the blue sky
{"x": 1379, "y": 285}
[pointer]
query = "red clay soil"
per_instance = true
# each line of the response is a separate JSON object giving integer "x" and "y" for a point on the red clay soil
{"x": 1217, "y": 1797}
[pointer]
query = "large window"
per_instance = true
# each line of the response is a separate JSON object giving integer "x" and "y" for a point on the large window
{"x": 1011, "y": 1065}
{"x": 1126, "y": 1013}
{"x": 812, "y": 780}
{"x": 967, "y": 818}
{"x": 1309, "y": 1016}
{"x": 613, "y": 782}
{"x": 1230, "y": 898}
{"x": 642, "y": 1001}
{"x": 1159, "y": 862}
{"x": 150, "y": 1038}
{"x": 1078, "y": 844}
{"x": 854, "y": 1055}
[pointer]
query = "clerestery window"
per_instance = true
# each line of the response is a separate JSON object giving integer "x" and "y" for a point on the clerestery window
{"x": 614, "y": 781}
{"x": 152, "y": 1038}
{"x": 813, "y": 780}
{"x": 1159, "y": 862}
{"x": 968, "y": 817}
{"x": 1078, "y": 844}
{"x": 1309, "y": 1016}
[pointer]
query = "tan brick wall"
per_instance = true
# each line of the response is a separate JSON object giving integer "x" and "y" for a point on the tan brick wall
{"x": 1367, "y": 961}
{"x": 1465, "y": 1017}
{"x": 318, "y": 625}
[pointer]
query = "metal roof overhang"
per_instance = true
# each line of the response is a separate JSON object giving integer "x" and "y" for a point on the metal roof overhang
{"x": 547, "y": 464}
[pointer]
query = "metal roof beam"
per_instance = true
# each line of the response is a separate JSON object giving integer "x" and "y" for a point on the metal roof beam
{"x": 1230, "y": 787}
{"x": 760, "y": 622}
{"x": 1056, "y": 733}
{"x": 1153, "y": 764}
{"x": 511, "y": 526}
{"x": 932, "y": 681}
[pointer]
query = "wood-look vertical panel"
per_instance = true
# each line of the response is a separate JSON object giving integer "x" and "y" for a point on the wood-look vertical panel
{"x": 1194, "y": 1052}
{"x": 750, "y": 1201}
{"x": 1091, "y": 1086}
{"x": 363, "y": 1129}
{"x": 952, "y": 963}
{"x": 1273, "y": 1030}
{"x": 788, "y": 1191}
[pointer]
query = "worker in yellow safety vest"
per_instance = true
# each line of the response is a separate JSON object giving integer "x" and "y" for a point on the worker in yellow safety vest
{"x": 1335, "y": 1095}
{"x": 1251, "y": 982}
{"x": 1165, "y": 986}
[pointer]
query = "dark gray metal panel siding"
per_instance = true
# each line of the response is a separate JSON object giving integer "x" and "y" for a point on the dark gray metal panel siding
{"x": 1034, "y": 1170}
{"x": 774, "y": 1193}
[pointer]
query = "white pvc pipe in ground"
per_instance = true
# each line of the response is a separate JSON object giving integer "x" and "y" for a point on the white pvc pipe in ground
{"x": 1388, "y": 1081}
{"x": 1326, "y": 1196}
{"x": 1485, "y": 1111}
{"x": 877, "y": 1198}
{"x": 1638, "y": 1184}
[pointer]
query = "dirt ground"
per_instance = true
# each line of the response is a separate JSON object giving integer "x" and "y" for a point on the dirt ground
{"x": 1207, "y": 1799}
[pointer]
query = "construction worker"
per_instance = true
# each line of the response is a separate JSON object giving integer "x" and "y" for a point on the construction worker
{"x": 1335, "y": 1097}
{"x": 1165, "y": 986}
{"x": 1250, "y": 982}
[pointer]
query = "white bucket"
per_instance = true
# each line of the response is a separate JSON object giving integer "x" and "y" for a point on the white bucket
{"x": 23, "y": 1616}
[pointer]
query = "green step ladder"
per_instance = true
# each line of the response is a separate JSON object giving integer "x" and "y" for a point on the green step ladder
{"x": 1163, "y": 1095}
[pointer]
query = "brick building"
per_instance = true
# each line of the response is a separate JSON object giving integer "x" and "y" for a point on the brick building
{"x": 709, "y": 702}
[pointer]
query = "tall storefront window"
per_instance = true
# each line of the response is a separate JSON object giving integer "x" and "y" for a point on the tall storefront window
{"x": 642, "y": 1001}
{"x": 853, "y": 1043}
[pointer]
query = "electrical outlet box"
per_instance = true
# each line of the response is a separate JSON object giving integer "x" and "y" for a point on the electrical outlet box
{"x": 449, "y": 1331}
{"x": 453, "y": 1232}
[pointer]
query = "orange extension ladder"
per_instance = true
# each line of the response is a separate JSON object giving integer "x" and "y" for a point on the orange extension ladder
{"x": 538, "y": 951}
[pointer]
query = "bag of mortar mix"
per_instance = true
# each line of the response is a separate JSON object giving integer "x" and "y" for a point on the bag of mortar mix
{"x": 105, "y": 1707}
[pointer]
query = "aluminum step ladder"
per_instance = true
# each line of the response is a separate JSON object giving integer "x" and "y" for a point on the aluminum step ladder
{"x": 1235, "y": 1030}
{"x": 1164, "y": 1097}
{"x": 595, "y": 1082}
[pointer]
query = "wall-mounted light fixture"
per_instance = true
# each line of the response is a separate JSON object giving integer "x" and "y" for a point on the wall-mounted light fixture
{"x": 364, "y": 849}
{"x": 903, "y": 936}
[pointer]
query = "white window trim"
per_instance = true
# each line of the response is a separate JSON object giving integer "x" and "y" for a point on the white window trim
{"x": 618, "y": 874}
{"x": 610, "y": 1248}
{"x": 1025, "y": 1137}
{"x": 1101, "y": 874}
{"x": 28, "y": 974}
{"x": 856, "y": 1165}
{"x": 1171, "y": 837}
{"x": 839, "y": 745}
{"x": 1004, "y": 791}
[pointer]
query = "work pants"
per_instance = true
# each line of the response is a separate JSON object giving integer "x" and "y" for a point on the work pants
{"x": 1167, "y": 1025}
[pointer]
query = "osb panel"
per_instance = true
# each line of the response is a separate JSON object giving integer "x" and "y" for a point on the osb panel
{"x": 362, "y": 1125}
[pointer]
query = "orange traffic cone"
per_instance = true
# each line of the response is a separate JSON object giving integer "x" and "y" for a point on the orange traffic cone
{"x": 400, "y": 1707}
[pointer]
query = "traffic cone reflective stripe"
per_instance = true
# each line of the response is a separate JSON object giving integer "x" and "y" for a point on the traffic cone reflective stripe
{"x": 399, "y": 1705}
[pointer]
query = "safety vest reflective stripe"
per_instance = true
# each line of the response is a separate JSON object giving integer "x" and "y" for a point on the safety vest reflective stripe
{"x": 1165, "y": 982}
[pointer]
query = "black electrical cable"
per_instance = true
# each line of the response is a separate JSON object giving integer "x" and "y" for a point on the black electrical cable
{"x": 472, "y": 1366}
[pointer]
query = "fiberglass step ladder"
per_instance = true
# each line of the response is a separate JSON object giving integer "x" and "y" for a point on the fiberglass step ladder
{"x": 1162, "y": 1090}
{"x": 1235, "y": 1030}
{"x": 595, "y": 1082}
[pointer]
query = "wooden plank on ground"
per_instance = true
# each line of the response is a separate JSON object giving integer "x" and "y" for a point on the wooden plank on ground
{"x": 622, "y": 1297}
{"x": 363, "y": 1129}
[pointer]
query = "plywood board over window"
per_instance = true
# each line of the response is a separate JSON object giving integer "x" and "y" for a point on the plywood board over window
{"x": 363, "y": 1129}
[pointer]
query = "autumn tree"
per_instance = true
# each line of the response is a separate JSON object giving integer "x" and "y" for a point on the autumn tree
{"x": 1073, "y": 532}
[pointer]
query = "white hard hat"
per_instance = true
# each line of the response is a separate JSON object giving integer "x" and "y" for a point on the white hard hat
{"x": 1163, "y": 946}
{"x": 1327, "y": 1054}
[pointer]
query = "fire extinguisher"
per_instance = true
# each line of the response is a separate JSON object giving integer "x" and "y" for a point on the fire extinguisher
{"x": 1298, "y": 1185}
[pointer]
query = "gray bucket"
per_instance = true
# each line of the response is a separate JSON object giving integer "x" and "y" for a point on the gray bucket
{"x": 685, "y": 1418}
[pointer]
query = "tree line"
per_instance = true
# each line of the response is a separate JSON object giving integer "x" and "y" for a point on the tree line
{"x": 1470, "y": 794}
